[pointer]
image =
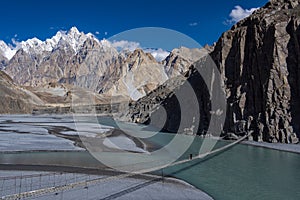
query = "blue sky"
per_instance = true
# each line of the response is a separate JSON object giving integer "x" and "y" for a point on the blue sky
{"x": 201, "y": 20}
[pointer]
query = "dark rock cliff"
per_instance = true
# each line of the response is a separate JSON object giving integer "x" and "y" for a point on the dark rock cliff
{"x": 259, "y": 63}
{"x": 259, "y": 58}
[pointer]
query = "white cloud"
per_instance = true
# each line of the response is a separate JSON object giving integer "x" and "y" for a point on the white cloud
{"x": 158, "y": 54}
{"x": 239, "y": 13}
{"x": 193, "y": 24}
{"x": 125, "y": 45}
{"x": 105, "y": 33}
{"x": 97, "y": 33}
{"x": 15, "y": 42}
{"x": 57, "y": 28}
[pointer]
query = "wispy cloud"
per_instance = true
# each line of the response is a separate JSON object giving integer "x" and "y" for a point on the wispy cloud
{"x": 15, "y": 42}
{"x": 125, "y": 45}
{"x": 239, "y": 13}
{"x": 193, "y": 24}
{"x": 159, "y": 54}
{"x": 97, "y": 32}
{"x": 58, "y": 28}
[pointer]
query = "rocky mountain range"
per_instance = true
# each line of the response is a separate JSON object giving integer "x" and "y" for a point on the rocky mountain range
{"x": 80, "y": 59}
{"x": 257, "y": 62}
{"x": 72, "y": 66}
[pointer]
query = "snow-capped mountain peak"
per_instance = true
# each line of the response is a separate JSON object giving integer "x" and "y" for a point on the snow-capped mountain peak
{"x": 72, "y": 37}
{"x": 106, "y": 43}
{"x": 74, "y": 31}
{"x": 34, "y": 43}
{"x": 76, "y": 40}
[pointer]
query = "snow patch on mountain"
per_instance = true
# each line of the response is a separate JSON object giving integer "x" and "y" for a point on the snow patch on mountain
{"x": 6, "y": 51}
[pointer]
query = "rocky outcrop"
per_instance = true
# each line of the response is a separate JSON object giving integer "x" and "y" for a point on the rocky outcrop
{"x": 190, "y": 103}
{"x": 140, "y": 111}
{"x": 179, "y": 60}
{"x": 140, "y": 74}
{"x": 86, "y": 68}
{"x": 15, "y": 99}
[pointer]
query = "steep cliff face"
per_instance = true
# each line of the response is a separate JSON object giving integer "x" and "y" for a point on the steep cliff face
{"x": 259, "y": 64}
{"x": 259, "y": 60}
{"x": 85, "y": 68}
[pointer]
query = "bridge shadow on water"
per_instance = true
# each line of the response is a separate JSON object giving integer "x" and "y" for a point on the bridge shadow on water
{"x": 161, "y": 172}
{"x": 179, "y": 168}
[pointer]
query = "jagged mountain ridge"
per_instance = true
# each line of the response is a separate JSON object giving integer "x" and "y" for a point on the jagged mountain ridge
{"x": 82, "y": 60}
{"x": 39, "y": 62}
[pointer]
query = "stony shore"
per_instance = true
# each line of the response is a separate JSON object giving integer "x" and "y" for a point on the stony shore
{"x": 294, "y": 148}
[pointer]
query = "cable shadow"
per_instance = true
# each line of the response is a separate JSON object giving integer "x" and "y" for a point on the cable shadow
{"x": 132, "y": 189}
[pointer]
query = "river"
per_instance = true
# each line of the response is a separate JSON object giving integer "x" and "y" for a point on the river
{"x": 241, "y": 172}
